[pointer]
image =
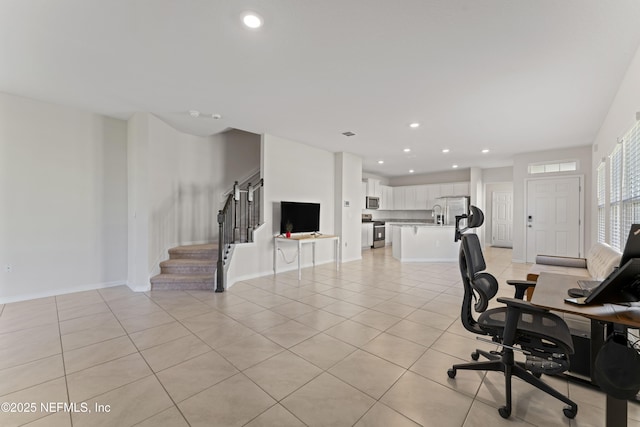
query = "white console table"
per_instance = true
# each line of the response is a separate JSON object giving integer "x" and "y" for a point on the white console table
{"x": 303, "y": 240}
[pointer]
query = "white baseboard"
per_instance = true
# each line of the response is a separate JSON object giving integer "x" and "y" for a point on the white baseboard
{"x": 428, "y": 260}
{"x": 140, "y": 288}
{"x": 352, "y": 259}
{"x": 62, "y": 291}
{"x": 232, "y": 280}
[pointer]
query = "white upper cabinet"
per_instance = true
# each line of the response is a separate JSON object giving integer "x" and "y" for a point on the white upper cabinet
{"x": 412, "y": 197}
{"x": 446, "y": 190}
{"x": 433, "y": 192}
{"x": 398, "y": 198}
{"x": 460, "y": 188}
{"x": 422, "y": 196}
{"x": 386, "y": 197}
{"x": 373, "y": 188}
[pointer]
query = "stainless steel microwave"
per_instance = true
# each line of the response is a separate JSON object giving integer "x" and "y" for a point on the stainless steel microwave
{"x": 373, "y": 202}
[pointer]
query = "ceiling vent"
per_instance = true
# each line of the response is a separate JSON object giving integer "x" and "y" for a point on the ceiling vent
{"x": 348, "y": 133}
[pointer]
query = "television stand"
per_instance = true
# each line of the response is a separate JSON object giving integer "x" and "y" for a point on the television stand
{"x": 302, "y": 239}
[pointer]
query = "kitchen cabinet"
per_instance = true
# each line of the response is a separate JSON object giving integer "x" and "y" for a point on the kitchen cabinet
{"x": 386, "y": 197}
{"x": 367, "y": 235}
{"x": 416, "y": 197}
{"x": 410, "y": 197}
{"x": 388, "y": 234}
{"x": 447, "y": 190}
{"x": 422, "y": 197}
{"x": 433, "y": 192}
{"x": 373, "y": 187}
{"x": 460, "y": 188}
{"x": 363, "y": 196}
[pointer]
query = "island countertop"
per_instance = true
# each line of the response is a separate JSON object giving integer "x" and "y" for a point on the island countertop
{"x": 419, "y": 224}
{"x": 425, "y": 243}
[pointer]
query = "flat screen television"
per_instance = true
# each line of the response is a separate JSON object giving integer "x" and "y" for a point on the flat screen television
{"x": 303, "y": 217}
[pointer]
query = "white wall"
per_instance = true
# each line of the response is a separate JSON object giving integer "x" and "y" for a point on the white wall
{"x": 177, "y": 181}
{"x": 348, "y": 219}
{"x": 63, "y": 199}
{"x": 520, "y": 176}
{"x": 504, "y": 174}
{"x": 621, "y": 117}
{"x": 292, "y": 172}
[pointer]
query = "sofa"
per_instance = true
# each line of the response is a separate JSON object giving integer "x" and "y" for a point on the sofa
{"x": 599, "y": 263}
{"x": 601, "y": 260}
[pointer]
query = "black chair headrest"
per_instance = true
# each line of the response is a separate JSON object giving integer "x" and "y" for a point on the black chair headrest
{"x": 476, "y": 217}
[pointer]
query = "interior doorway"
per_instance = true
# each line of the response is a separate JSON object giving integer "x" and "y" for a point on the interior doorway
{"x": 502, "y": 219}
{"x": 554, "y": 217}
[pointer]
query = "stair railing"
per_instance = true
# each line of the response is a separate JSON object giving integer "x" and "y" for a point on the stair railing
{"x": 241, "y": 212}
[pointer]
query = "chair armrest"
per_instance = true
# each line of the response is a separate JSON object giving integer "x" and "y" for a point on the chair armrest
{"x": 521, "y": 286}
{"x": 561, "y": 261}
{"x": 524, "y": 306}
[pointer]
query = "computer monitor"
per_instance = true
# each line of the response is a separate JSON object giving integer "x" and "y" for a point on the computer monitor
{"x": 623, "y": 285}
{"x": 632, "y": 247}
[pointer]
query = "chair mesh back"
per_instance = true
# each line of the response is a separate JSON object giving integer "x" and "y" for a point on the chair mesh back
{"x": 473, "y": 254}
{"x": 484, "y": 285}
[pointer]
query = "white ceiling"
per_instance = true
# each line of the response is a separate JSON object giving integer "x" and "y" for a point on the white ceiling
{"x": 511, "y": 76}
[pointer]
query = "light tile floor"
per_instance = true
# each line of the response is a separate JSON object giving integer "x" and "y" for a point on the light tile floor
{"x": 368, "y": 346}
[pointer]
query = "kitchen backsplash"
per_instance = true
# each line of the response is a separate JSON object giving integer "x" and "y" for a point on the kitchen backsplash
{"x": 382, "y": 215}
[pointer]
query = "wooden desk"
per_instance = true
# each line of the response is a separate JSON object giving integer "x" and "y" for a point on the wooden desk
{"x": 302, "y": 240}
{"x": 550, "y": 292}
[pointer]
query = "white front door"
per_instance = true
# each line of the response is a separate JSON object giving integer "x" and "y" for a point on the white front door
{"x": 502, "y": 219}
{"x": 553, "y": 217}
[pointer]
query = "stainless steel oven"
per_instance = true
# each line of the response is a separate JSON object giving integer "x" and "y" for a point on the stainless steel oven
{"x": 378, "y": 234}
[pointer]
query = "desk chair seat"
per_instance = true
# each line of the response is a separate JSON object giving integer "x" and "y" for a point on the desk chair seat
{"x": 542, "y": 336}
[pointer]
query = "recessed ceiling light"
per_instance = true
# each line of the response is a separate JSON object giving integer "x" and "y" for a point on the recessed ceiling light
{"x": 216, "y": 116}
{"x": 411, "y": 171}
{"x": 194, "y": 113}
{"x": 252, "y": 20}
{"x": 445, "y": 150}
{"x": 454, "y": 166}
{"x": 414, "y": 125}
{"x": 485, "y": 151}
{"x": 380, "y": 162}
{"x": 406, "y": 150}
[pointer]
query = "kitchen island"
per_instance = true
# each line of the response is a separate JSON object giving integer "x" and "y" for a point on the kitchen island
{"x": 424, "y": 243}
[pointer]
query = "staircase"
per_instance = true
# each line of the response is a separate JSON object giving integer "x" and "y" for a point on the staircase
{"x": 188, "y": 268}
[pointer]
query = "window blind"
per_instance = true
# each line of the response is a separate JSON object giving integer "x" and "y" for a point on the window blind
{"x": 601, "y": 194}
{"x": 615, "y": 196}
{"x": 630, "y": 182}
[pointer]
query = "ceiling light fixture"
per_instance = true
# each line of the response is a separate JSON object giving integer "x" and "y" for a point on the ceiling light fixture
{"x": 216, "y": 116}
{"x": 194, "y": 113}
{"x": 485, "y": 151}
{"x": 414, "y": 125}
{"x": 380, "y": 162}
{"x": 406, "y": 150}
{"x": 411, "y": 171}
{"x": 445, "y": 150}
{"x": 252, "y": 20}
{"x": 454, "y": 166}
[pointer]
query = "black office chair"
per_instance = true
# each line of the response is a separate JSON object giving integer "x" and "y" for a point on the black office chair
{"x": 542, "y": 336}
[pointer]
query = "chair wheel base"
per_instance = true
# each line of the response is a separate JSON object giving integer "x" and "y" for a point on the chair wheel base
{"x": 475, "y": 355}
{"x": 452, "y": 373}
{"x": 570, "y": 412}
{"x": 504, "y": 412}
